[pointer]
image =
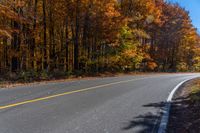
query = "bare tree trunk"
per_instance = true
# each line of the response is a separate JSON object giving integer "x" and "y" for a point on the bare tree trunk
{"x": 67, "y": 45}
{"x": 45, "y": 37}
{"x": 34, "y": 41}
{"x": 76, "y": 40}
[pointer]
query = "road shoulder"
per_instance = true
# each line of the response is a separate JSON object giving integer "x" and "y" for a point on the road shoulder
{"x": 12, "y": 84}
{"x": 185, "y": 114}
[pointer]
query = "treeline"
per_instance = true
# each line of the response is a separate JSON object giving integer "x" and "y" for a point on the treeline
{"x": 63, "y": 37}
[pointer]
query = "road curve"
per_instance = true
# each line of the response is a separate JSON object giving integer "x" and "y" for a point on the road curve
{"x": 124, "y": 104}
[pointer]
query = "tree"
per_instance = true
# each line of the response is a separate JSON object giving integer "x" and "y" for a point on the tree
{"x": 44, "y": 38}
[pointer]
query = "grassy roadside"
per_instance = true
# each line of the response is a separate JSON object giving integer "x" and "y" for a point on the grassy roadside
{"x": 185, "y": 111}
{"x": 195, "y": 94}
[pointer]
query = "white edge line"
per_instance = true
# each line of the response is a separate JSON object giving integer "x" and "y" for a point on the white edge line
{"x": 165, "y": 117}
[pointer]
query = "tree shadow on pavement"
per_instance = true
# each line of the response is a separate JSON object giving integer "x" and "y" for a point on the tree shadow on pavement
{"x": 148, "y": 122}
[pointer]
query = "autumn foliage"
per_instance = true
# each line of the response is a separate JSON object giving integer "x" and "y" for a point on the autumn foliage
{"x": 62, "y": 37}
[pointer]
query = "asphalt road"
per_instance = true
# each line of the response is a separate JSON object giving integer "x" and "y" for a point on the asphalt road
{"x": 125, "y": 104}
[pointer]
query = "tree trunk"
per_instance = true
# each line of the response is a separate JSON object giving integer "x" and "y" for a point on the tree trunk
{"x": 67, "y": 45}
{"x": 45, "y": 37}
{"x": 76, "y": 41}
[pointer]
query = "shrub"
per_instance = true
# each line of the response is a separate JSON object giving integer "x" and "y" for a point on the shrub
{"x": 44, "y": 75}
{"x": 195, "y": 94}
{"x": 59, "y": 73}
{"x": 27, "y": 76}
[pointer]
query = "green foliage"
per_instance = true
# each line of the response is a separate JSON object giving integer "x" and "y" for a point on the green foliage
{"x": 129, "y": 54}
{"x": 58, "y": 74}
{"x": 28, "y": 76}
{"x": 44, "y": 75}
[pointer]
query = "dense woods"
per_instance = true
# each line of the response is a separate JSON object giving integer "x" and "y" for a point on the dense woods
{"x": 49, "y": 38}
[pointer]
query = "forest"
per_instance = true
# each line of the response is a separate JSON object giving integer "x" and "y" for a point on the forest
{"x": 56, "y": 38}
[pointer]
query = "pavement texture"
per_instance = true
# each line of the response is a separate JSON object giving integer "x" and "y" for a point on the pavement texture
{"x": 124, "y": 104}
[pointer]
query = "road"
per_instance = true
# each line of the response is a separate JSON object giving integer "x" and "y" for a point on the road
{"x": 124, "y": 104}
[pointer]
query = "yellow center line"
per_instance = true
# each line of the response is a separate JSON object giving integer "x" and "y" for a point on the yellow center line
{"x": 63, "y": 94}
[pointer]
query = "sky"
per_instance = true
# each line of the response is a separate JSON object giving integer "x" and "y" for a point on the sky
{"x": 193, "y": 6}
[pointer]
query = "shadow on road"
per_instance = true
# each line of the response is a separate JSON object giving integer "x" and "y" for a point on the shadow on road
{"x": 148, "y": 122}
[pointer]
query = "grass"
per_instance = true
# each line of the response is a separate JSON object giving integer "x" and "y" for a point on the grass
{"x": 195, "y": 92}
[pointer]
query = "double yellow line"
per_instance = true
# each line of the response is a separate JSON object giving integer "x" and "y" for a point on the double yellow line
{"x": 65, "y": 93}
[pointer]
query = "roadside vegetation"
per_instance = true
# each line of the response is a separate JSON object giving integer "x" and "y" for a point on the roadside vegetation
{"x": 195, "y": 94}
{"x": 185, "y": 113}
{"x": 47, "y": 39}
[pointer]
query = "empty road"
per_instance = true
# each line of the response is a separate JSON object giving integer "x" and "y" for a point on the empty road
{"x": 124, "y": 104}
